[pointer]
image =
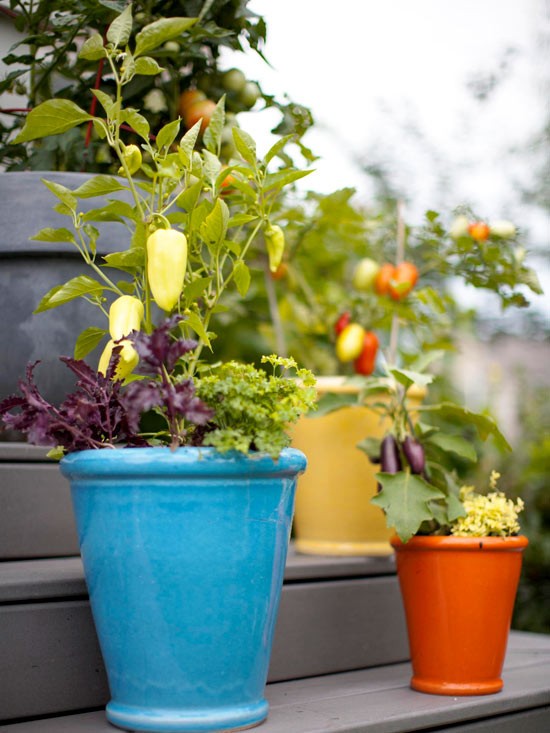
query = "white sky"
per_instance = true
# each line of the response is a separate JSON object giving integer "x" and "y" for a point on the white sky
{"x": 370, "y": 68}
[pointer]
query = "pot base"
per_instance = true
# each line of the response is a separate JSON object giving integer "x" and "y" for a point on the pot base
{"x": 170, "y": 720}
{"x": 342, "y": 549}
{"x": 456, "y": 689}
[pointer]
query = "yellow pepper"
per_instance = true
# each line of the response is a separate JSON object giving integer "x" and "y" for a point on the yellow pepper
{"x": 275, "y": 242}
{"x": 132, "y": 157}
{"x": 128, "y": 359}
{"x": 125, "y": 316}
{"x": 166, "y": 263}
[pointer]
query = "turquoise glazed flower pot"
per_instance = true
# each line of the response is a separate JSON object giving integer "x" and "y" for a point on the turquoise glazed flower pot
{"x": 184, "y": 555}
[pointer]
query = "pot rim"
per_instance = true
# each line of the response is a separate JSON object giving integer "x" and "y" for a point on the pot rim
{"x": 451, "y": 542}
{"x": 184, "y": 461}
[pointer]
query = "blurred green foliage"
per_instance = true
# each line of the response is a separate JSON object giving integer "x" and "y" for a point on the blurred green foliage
{"x": 44, "y": 64}
{"x": 525, "y": 474}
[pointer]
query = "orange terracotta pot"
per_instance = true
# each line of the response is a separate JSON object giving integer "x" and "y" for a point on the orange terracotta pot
{"x": 459, "y": 595}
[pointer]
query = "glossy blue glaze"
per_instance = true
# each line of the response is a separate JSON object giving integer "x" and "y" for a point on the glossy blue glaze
{"x": 184, "y": 555}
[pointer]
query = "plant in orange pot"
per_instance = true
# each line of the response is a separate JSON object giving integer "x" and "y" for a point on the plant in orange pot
{"x": 458, "y": 552}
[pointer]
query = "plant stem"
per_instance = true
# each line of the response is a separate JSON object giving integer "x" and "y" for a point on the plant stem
{"x": 280, "y": 340}
{"x": 400, "y": 254}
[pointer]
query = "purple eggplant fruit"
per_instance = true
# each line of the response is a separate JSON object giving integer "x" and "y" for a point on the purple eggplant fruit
{"x": 390, "y": 461}
{"x": 414, "y": 453}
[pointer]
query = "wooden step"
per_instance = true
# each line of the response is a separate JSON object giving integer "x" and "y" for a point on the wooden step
{"x": 379, "y": 700}
{"x": 36, "y": 519}
{"x": 335, "y": 615}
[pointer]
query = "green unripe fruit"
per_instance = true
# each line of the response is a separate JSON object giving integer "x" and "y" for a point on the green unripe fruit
{"x": 365, "y": 274}
{"x": 249, "y": 94}
{"x": 172, "y": 47}
{"x": 234, "y": 80}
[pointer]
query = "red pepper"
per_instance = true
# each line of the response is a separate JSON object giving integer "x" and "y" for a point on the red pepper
{"x": 366, "y": 361}
{"x": 343, "y": 321}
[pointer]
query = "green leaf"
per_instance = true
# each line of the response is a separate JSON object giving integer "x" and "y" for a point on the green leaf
{"x": 116, "y": 5}
{"x": 376, "y": 386}
{"x": 65, "y": 195}
{"x": 105, "y": 100}
{"x": 87, "y": 341}
{"x": 187, "y": 144}
{"x": 195, "y": 289}
{"x": 137, "y": 122}
{"x": 78, "y": 286}
{"x": 213, "y": 133}
{"x": 51, "y": 118}
{"x": 455, "y": 508}
{"x": 194, "y": 322}
{"x": 63, "y": 209}
{"x": 484, "y": 424}
{"x": 165, "y": 29}
{"x": 245, "y": 145}
{"x": 276, "y": 148}
{"x": 332, "y": 401}
{"x": 371, "y": 447}
{"x": 407, "y": 377}
{"x": 120, "y": 28}
{"x": 138, "y": 236}
{"x": 92, "y": 48}
{"x": 240, "y": 219}
{"x": 187, "y": 200}
{"x": 99, "y": 186}
{"x": 129, "y": 260}
{"x": 54, "y": 235}
{"x": 214, "y": 227}
{"x": 530, "y": 278}
{"x": 146, "y": 66}
{"x": 405, "y": 499}
{"x": 283, "y": 178}
{"x": 424, "y": 430}
{"x": 424, "y": 360}
{"x": 212, "y": 167}
{"x": 100, "y": 128}
{"x": 56, "y": 454}
{"x": 128, "y": 68}
{"x": 113, "y": 211}
{"x": 168, "y": 134}
{"x": 126, "y": 287}
{"x": 241, "y": 273}
{"x": 454, "y": 444}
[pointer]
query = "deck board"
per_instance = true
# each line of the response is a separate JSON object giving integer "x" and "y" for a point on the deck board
{"x": 379, "y": 700}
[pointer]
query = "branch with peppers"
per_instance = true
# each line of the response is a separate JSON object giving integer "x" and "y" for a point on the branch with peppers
{"x": 193, "y": 218}
{"x": 189, "y": 224}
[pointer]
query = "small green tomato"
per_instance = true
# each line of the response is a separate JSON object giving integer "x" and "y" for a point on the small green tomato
{"x": 249, "y": 94}
{"x": 365, "y": 274}
{"x": 234, "y": 80}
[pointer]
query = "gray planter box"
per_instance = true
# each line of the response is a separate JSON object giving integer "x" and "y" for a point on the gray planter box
{"x": 28, "y": 270}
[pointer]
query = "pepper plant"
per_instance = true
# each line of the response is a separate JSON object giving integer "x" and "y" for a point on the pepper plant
{"x": 193, "y": 222}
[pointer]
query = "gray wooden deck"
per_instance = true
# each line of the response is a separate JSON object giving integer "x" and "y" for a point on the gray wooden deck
{"x": 339, "y": 662}
{"x": 379, "y": 700}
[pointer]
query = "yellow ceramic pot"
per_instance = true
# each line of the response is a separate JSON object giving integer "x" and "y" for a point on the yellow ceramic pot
{"x": 333, "y": 513}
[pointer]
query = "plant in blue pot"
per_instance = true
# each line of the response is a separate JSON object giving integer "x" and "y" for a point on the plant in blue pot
{"x": 182, "y": 479}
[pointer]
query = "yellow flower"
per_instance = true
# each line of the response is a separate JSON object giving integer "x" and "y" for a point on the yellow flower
{"x": 487, "y": 515}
